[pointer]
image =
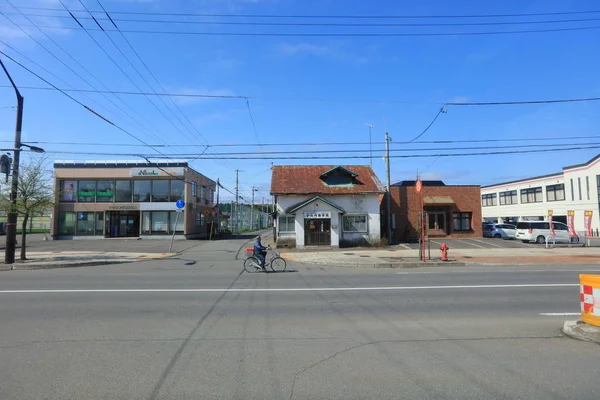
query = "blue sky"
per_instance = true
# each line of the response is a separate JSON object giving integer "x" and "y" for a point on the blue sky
{"x": 314, "y": 89}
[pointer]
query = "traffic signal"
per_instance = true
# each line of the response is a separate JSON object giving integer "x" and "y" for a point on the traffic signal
{"x": 5, "y": 162}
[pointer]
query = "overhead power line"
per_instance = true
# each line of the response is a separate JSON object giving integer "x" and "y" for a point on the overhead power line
{"x": 328, "y": 34}
{"x": 344, "y": 152}
{"x": 312, "y": 24}
{"x": 190, "y": 124}
{"x": 350, "y": 16}
{"x": 442, "y": 110}
{"x": 315, "y": 99}
{"x": 346, "y": 157}
{"x": 103, "y": 93}
{"x": 544, "y": 139}
{"x": 115, "y": 63}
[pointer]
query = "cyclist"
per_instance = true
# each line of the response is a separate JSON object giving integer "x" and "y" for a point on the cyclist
{"x": 260, "y": 252}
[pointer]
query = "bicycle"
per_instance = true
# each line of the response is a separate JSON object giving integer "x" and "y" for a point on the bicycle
{"x": 277, "y": 264}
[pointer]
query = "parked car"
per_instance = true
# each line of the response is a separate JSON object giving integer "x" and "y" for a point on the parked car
{"x": 504, "y": 231}
{"x": 538, "y": 231}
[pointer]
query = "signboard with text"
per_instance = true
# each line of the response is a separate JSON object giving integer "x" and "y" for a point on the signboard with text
{"x": 550, "y": 213}
{"x": 317, "y": 214}
{"x": 571, "y": 222}
{"x": 587, "y": 222}
{"x": 163, "y": 171}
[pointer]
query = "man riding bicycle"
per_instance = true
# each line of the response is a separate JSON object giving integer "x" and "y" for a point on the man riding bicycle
{"x": 260, "y": 252}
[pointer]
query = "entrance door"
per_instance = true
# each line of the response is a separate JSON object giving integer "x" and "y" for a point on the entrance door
{"x": 124, "y": 224}
{"x": 436, "y": 221}
{"x": 317, "y": 232}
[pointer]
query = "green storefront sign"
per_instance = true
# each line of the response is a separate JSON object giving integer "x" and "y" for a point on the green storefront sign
{"x": 99, "y": 194}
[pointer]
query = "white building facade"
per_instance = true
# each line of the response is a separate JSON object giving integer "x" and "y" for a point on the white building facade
{"x": 326, "y": 206}
{"x": 576, "y": 188}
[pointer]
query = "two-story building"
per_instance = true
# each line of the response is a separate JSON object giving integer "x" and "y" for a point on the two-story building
{"x": 324, "y": 205}
{"x": 98, "y": 199}
{"x": 576, "y": 188}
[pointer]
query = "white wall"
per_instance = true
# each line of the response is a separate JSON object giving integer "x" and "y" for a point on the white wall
{"x": 589, "y": 200}
{"x": 352, "y": 204}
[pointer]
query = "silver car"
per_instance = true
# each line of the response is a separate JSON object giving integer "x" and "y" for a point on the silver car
{"x": 500, "y": 231}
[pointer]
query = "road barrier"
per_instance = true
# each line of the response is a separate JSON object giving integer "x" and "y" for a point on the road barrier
{"x": 590, "y": 298}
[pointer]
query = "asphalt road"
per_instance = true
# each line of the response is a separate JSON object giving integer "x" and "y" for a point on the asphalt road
{"x": 167, "y": 330}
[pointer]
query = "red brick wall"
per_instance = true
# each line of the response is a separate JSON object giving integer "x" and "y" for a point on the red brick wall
{"x": 406, "y": 206}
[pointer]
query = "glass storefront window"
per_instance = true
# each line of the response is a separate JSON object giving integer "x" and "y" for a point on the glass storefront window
{"x": 99, "y": 223}
{"x": 68, "y": 190}
{"x": 105, "y": 192}
{"x": 160, "y": 190}
{"x": 146, "y": 223}
{"x": 160, "y": 221}
{"x": 177, "y": 188}
{"x": 86, "y": 192}
{"x": 66, "y": 223}
{"x": 141, "y": 191}
{"x": 123, "y": 192}
{"x": 85, "y": 223}
{"x": 173, "y": 215}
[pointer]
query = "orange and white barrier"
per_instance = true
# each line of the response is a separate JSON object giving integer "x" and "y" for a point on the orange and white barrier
{"x": 590, "y": 298}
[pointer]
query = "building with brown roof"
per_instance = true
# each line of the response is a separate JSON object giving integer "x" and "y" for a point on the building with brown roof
{"x": 326, "y": 205}
{"x": 450, "y": 210}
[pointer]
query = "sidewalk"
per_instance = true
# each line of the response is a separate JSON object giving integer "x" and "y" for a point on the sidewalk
{"x": 68, "y": 259}
{"x": 395, "y": 257}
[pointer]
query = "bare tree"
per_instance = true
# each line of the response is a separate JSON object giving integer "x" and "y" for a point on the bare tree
{"x": 35, "y": 195}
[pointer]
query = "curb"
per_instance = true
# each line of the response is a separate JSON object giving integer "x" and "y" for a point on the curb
{"x": 23, "y": 267}
{"x": 384, "y": 265}
{"x": 582, "y": 331}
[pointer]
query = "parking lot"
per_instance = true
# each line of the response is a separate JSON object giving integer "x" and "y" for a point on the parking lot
{"x": 489, "y": 243}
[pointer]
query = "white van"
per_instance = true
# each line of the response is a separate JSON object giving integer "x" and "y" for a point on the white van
{"x": 538, "y": 231}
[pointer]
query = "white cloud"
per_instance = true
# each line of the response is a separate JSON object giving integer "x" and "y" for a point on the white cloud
{"x": 443, "y": 175}
{"x": 302, "y": 48}
{"x": 459, "y": 99}
{"x": 332, "y": 51}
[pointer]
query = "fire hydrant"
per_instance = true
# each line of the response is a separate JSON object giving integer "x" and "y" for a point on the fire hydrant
{"x": 444, "y": 248}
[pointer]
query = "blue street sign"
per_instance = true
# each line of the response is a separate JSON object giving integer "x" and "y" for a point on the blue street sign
{"x": 180, "y": 204}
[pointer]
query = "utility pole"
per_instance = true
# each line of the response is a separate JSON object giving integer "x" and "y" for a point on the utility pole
{"x": 371, "y": 126}
{"x": 218, "y": 210}
{"x": 11, "y": 223}
{"x": 389, "y": 193}
{"x": 237, "y": 195}
{"x": 252, "y": 211}
{"x": 262, "y": 213}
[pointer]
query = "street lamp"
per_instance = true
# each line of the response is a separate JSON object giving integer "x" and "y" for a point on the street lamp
{"x": 35, "y": 149}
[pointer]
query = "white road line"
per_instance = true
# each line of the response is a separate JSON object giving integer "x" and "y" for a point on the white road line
{"x": 473, "y": 244}
{"x": 559, "y": 314}
{"x": 488, "y": 243}
{"x": 509, "y": 269}
{"x": 405, "y": 246}
{"x": 322, "y": 289}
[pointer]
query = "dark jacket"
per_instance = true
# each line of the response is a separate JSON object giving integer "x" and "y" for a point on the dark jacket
{"x": 259, "y": 248}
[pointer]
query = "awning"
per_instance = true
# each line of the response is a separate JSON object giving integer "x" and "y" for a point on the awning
{"x": 438, "y": 200}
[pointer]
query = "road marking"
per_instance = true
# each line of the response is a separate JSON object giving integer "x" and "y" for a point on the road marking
{"x": 559, "y": 314}
{"x": 488, "y": 270}
{"x": 322, "y": 289}
{"x": 473, "y": 244}
{"x": 486, "y": 243}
